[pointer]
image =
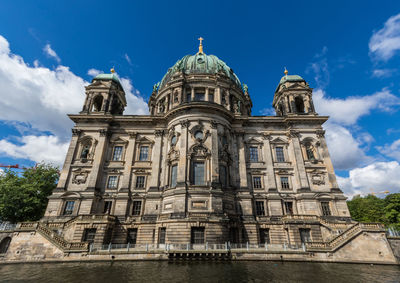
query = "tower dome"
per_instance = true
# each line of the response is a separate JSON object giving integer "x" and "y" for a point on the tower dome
{"x": 200, "y": 63}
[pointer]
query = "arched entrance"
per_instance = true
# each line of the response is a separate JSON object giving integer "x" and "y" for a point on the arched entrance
{"x": 4, "y": 245}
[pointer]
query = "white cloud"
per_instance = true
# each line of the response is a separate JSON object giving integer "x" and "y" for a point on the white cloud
{"x": 347, "y": 111}
{"x": 38, "y": 96}
{"x": 270, "y": 111}
{"x": 391, "y": 150}
{"x": 383, "y": 73}
{"x": 320, "y": 68}
{"x": 36, "y": 148}
{"x": 346, "y": 151}
{"x": 94, "y": 72}
{"x": 50, "y": 52}
{"x": 36, "y": 100}
{"x": 376, "y": 177}
{"x": 128, "y": 59}
{"x": 135, "y": 104}
{"x": 385, "y": 42}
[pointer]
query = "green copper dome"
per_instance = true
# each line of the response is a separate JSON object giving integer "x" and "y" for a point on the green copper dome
{"x": 200, "y": 63}
{"x": 291, "y": 78}
{"x": 106, "y": 77}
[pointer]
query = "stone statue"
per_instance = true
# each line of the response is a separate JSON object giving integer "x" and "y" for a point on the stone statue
{"x": 85, "y": 152}
{"x": 245, "y": 88}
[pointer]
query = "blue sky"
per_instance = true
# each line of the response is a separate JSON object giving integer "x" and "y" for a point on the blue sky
{"x": 348, "y": 51}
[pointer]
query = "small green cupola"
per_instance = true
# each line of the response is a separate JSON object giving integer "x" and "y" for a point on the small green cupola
{"x": 105, "y": 95}
{"x": 293, "y": 96}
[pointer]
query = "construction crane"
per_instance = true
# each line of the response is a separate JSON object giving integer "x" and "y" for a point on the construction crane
{"x": 16, "y": 166}
{"x": 378, "y": 193}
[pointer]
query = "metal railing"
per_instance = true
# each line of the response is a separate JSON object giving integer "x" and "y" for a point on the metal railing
{"x": 393, "y": 232}
{"x": 201, "y": 248}
{"x": 7, "y": 226}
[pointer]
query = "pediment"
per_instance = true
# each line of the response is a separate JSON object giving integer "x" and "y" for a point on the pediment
{"x": 253, "y": 141}
{"x": 119, "y": 140}
{"x": 278, "y": 140}
{"x": 144, "y": 140}
{"x": 71, "y": 195}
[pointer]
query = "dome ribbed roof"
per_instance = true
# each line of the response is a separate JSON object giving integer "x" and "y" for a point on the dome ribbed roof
{"x": 291, "y": 78}
{"x": 200, "y": 63}
{"x": 107, "y": 77}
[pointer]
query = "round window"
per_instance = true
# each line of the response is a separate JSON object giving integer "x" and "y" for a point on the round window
{"x": 173, "y": 140}
{"x": 198, "y": 135}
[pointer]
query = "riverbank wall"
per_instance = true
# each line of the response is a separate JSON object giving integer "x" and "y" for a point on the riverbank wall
{"x": 365, "y": 245}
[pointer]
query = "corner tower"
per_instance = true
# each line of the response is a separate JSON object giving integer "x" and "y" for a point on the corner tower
{"x": 104, "y": 95}
{"x": 293, "y": 96}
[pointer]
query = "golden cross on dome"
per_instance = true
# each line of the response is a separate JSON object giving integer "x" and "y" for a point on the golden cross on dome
{"x": 112, "y": 70}
{"x": 286, "y": 72}
{"x": 201, "y": 44}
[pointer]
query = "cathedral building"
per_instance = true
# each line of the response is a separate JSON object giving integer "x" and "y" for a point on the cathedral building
{"x": 200, "y": 168}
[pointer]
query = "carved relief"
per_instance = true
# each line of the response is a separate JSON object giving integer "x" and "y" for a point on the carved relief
{"x": 79, "y": 176}
{"x": 199, "y": 150}
{"x": 318, "y": 177}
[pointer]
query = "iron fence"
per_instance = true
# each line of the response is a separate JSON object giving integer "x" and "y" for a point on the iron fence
{"x": 206, "y": 247}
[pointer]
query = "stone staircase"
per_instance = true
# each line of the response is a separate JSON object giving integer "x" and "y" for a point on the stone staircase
{"x": 344, "y": 237}
{"x": 52, "y": 237}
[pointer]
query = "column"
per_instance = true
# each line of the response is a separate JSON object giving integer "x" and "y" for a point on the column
{"x": 192, "y": 93}
{"x": 327, "y": 159}
{"x": 242, "y": 160}
{"x": 68, "y": 160}
{"x": 214, "y": 151}
{"x": 183, "y": 144}
{"x": 217, "y": 94}
{"x": 156, "y": 159}
{"x": 271, "y": 182}
{"x": 206, "y": 96}
{"x": 129, "y": 153}
{"x": 299, "y": 159}
{"x": 98, "y": 159}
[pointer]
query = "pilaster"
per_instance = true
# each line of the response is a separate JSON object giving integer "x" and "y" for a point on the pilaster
{"x": 68, "y": 160}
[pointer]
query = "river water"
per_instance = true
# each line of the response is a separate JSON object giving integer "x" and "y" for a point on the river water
{"x": 163, "y": 271}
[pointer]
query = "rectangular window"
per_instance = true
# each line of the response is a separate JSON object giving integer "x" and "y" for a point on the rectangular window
{"x": 264, "y": 236}
{"x": 112, "y": 182}
{"x": 280, "y": 157}
{"x": 211, "y": 97}
{"x": 161, "y": 235}
{"x": 257, "y": 182}
{"x": 89, "y": 235}
{"x": 198, "y": 173}
{"x": 288, "y": 208}
{"x": 69, "y": 207}
{"x": 107, "y": 207}
{"x": 197, "y": 235}
{"x": 117, "y": 155}
{"x": 132, "y": 236}
{"x": 222, "y": 175}
{"x": 188, "y": 97}
{"x": 305, "y": 235}
{"x": 253, "y": 154}
{"x": 199, "y": 96}
{"x": 174, "y": 173}
{"x": 140, "y": 182}
{"x": 326, "y": 211}
{"x": 260, "y": 208}
{"x": 144, "y": 153}
{"x": 136, "y": 207}
{"x": 285, "y": 183}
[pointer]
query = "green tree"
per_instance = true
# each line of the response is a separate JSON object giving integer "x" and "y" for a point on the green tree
{"x": 392, "y": 210}
{"x": 367, "y": 209}
{"x": 23, "y": 197}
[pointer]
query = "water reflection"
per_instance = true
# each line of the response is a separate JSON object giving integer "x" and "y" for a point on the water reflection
{"x": 153, "y": 271}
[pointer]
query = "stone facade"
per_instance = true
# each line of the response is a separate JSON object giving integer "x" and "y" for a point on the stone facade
{"x": 199, "y": 163}
{"x": 199, "y": 169}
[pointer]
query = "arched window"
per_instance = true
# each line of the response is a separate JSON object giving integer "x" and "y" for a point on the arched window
{"x": 299, "y": 104}
{"x": 97, "y": 103}
{"x": 4, "y": 244}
